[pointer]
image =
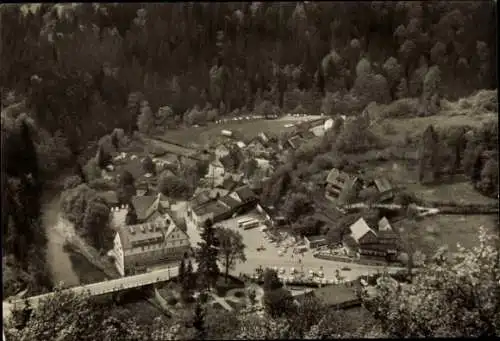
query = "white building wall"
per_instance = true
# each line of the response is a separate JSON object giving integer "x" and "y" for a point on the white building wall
{"x": 118, "y": 217}
{"x": 118, "y": 254}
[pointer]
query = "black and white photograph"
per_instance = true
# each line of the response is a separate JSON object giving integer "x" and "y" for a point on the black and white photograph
{"x": 249, "y": 170}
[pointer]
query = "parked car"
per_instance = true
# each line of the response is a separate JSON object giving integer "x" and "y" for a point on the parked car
{"x": 345, "y": 268}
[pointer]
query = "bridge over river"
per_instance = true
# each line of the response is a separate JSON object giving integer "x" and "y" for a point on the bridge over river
{"x": 97, "y": 289}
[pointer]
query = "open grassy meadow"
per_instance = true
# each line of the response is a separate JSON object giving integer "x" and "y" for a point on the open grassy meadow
{"x": 241, "y": 129}
{"x": 435, "y": 231}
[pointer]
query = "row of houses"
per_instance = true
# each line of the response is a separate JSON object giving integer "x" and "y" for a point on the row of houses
{"x": 218, "y": 204}
{"x": 343, "y": 188}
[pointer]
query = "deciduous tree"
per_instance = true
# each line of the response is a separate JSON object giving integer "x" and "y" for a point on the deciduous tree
{"x": 231, "y": 248}
{"x": 465, "y": 286}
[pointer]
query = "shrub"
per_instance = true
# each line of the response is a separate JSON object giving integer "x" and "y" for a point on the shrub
{"x": 187, "y": 297}
{"x": 239, "y": 294}
{"x": 172, "y": 300}
{"x": 203, "y": 297}
{"x": 102, "y": 185}
{"x": 405, "y": 107}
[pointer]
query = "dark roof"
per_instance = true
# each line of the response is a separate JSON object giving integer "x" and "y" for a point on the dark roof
{"x": 228, "y": 162}
{"x": 230, "y": 202}
{"x": 333, "y": 295}
{"x": 307, "y": 134}
{"x": 245, "y": 193}
{"x": 383, "y": 185}
{"x": 337, "y": 177}
{"x": 214, "y": 207}
{"x": 110, "y": 197}
{"x": 135, "y": 167}
{"x": 295, "y": 141}
{"x": 151, "y": 233}
{"x": 142, "y": 204}
{"x": 229, "y": 183}
{"x": 348, "y": 240}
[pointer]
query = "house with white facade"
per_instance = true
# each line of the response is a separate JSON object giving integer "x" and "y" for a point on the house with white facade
{"x": 138, "y": 246}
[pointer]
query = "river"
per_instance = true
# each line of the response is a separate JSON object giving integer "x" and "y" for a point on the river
{"x": 69, "y": 268}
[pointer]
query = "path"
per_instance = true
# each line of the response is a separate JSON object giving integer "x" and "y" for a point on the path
{"x": 221, "y": 301}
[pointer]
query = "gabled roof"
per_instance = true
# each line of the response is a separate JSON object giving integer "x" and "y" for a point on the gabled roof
{"x": 157, "y": 205}
{"x": 336, "y": 177}
{"x": 147, "y": 233}
{"x": 229, "y": 202}
{"x": 229, "y": 183}
{"x": 295, "y": 141}
{"x": 264, "y": 138}
{"x": 384, "y": 225}
{"x": 383, "y": 184}
{"x": 359, "y": 229}
{"x": 206, "y": 195}
{"x": 135, "y": 168}
{"x": 213, "y": 206}
{"x": 245, "y": 193}
{"x": 142, "y": 204}
{"x": 228, "y": 162}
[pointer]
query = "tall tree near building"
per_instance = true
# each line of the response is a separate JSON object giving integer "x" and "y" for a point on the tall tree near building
{"x": 96, "y": 223}
{"x": 131, "y": 217}
{"x": 199, "y": 322}
{"x": 126, "y": 187}
{"x": 231, "y": 248}
{"x": 103, "y": 157}
{"x": 207, "y": 256}
{"x": 428, "y": 154}
{"x": 79, "y": 171}
{"x": 190, "y": 276}
{"x": 30, "y": 156}
{"x": 182, "y": 273}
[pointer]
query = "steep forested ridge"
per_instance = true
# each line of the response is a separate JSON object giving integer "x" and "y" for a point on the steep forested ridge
{"x": 85, "y": 68}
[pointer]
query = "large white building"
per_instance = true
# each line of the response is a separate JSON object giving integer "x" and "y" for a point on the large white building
{"x": 138, "y": 246}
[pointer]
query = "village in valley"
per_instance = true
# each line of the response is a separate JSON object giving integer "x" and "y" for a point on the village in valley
{"x": 161, "y": 190}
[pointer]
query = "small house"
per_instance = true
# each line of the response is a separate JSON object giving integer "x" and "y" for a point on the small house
{"x": 340, "y": 186}
{"x": 362, "y": 233}
{"x": 256, "y": 146}
{"x": 366, "y": 242}
{"x": 313, "y": 242}
{"x": 221, "y": 150}
{"x": 384, "y": 188}
{"x": 294, "y": 142}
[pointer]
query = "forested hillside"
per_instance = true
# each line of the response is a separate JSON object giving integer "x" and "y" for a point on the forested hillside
{"x": 86, "y": 69}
